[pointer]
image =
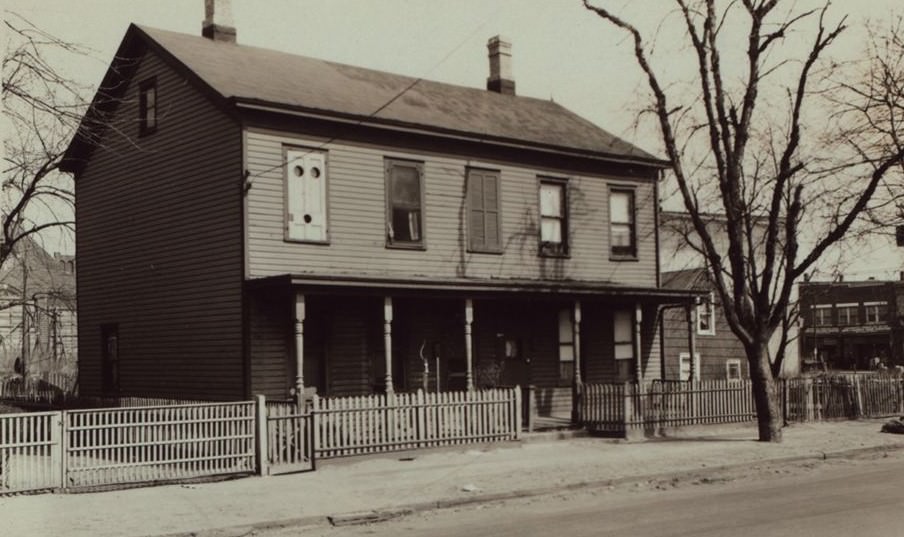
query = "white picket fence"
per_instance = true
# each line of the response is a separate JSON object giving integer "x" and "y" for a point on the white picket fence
{"x": 158, "y": 443}
{"x": 392, "y": 422}
{"x": 148, "y": 442}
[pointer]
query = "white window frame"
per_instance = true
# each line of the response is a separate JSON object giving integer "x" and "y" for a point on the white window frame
{"x": 846, "y": 321}
{"x": 616, "y": 343}
{"x": 709, "y": 307}
{"x": 874, "y": 308}
{"x": 730, "y": 362}
{"x": 816, "y": 316}
{"x": 684, "y": 372}
{"x": 565, "y": 335}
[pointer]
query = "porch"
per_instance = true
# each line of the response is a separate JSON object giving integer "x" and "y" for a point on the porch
{"x": 351, "y": 339}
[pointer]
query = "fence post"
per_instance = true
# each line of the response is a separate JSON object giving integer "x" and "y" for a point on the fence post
{"x": 421, "y": 422}
{"x": 627, "y": 408}
{"x": 262, "y": 436}
{"x": 58, "y": 448}
{"x": 518, "y": 410}
{"x": 315, "y": 424}
{"x": 899, "y": 393}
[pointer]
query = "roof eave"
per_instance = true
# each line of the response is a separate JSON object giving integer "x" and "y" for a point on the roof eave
{"x": 400, "y": 126}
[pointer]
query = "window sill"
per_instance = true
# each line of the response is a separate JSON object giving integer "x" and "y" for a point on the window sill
{"x": 484, "y": 251}
{"x": 402, "y": 246}
{"x": 707, "y": 333}
{"x": 305, "y": 241}
{"x": 614, "y": 257}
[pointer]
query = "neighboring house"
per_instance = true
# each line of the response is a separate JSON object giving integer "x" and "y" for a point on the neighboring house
{"x": 848, "y": 324}
{"x": 279, "y": 221}
{"x": 37, "y": 299}
{"x": 720, "y": 355}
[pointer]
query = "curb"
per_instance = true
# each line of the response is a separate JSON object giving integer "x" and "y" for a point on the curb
{"x": 380, "y": 515}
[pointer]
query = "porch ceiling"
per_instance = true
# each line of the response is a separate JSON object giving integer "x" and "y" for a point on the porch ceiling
{"x": 353, "y": 285}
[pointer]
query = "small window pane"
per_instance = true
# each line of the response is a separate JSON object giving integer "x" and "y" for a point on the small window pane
{"x": 623, "y": 326}
{"x": 621, "y": 236}
{"x": 551, "y": 200}
{"x": 551, "y": 230}
{"x": 406, "y": 186}
{"x": 624, "y": 351}
{"x": 406, "y": 224}
{"x": 620, "y": 207}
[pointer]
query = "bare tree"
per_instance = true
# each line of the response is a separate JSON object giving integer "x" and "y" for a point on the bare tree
{"x": 789, "y": 150}
{"x": 42, "y": 109}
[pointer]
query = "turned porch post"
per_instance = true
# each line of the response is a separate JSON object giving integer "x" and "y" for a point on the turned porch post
{"x": 577, "y": 382}
{"x": 387, "y": 341}
{"x": 469, "y": 319}
{"x": 299, "y": 347}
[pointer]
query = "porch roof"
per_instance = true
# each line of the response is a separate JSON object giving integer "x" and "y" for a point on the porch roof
{"x": 321, "y": 284}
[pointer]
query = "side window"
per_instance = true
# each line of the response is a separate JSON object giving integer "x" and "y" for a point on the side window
{"x": 706, "y": 317}
{"x": 147, "y": 107}
{"x": 484, "y": 227}
{"x": 733, "y": 369}
{"x": 404, "y": 204}
{"x": 623, "y": 340}
{"x": 553, "y": 217}
{"x": 109, "y": 334}
{"x": 306, "y": 186}
{"x": 685, "y": 365}
{"x": 622, "y": 230}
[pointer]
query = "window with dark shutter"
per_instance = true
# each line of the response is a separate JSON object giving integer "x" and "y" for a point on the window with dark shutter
{"x": 484, "y": 228}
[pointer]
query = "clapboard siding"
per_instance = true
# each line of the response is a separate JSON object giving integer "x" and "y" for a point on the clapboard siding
{"x": 270, "y": 319}
{"x": 160, "y": 247}
{"x": 357, "y": 220}
{"x": 714, "y": 350}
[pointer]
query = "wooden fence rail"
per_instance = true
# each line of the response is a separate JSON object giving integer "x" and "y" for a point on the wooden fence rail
{"x": 658, "y": 404}
{"x": 162, "y": 443}
{"x": 843, "y": 397}
{"x": 30, "y": 451}
{"x": 392, "y": 422}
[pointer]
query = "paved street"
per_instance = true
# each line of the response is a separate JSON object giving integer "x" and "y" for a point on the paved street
{"x": 827, "y": 499}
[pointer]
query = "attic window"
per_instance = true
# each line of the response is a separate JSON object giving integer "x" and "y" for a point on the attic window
{"x": 147, "y": 106}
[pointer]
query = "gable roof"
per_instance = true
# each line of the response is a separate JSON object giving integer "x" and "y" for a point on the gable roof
{"x": 246, "y": 75}
{"x": 694, "y": 279}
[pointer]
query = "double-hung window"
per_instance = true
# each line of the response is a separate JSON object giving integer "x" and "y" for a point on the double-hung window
{"x": 147, "y": 106}
{"x": 822, "y": 315}
{"x": 876, "y": 312}
{"x": 623, "y": 339}
{"x": 484, "y": 227}
{"x": 706, "y": 317}
{"x": 622, "y": 231}
{"x": 847, "y": 314}
{"x": 404, "y": 204}
{"x": 566, "y": 346}
{"x": 553, "y": 217}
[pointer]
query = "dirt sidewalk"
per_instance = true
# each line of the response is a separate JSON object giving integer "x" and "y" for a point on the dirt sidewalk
{"x": 420, "y": 480}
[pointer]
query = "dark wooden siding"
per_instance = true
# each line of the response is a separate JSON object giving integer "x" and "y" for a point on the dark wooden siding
{"x": 714, "y": 350}
{"x": 357, "y": 227}
{"x": 160, "y": 247}
{"x": 270, "y": 341}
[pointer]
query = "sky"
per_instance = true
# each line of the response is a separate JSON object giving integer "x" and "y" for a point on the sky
{"x": 560, "y": 50}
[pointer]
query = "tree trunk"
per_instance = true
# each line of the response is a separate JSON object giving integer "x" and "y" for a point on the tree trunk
{"x": 765, "y": 396}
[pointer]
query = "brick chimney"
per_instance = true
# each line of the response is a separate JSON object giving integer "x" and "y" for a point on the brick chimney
{"x": 218, "y": 24}
{"x": 500, "y": 79}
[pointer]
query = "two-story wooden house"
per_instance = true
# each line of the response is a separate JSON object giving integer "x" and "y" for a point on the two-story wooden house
{"x": 251, "y": 221}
